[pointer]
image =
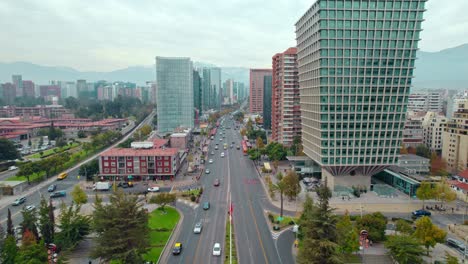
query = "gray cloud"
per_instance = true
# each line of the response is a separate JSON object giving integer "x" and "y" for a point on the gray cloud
{"x": 111, "y": 34}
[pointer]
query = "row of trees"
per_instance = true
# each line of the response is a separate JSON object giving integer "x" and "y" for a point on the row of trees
{"x": 440, "y": 191}
{"x": 274, "y": 150}
{"x": 49, "y": 166}
{"x": 328, "y": 238}
{"x": 9, "y": 151}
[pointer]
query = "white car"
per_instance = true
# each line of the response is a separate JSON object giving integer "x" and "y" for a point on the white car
{"x": 12, "y": 168}
{"x": 29, "y": 208}
{"x": 207, "y": 171}
{"x": 210, "y": 161}
{"x": 220, "y": 139}
{"x": 217, "y": 249}
{"x": 222, "y": 154}
{"x": 197, "y": 229}
{"x": 153, "y": 189}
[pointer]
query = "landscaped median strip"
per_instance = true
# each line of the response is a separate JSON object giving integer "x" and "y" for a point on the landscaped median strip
{"x": 227, "y": 243}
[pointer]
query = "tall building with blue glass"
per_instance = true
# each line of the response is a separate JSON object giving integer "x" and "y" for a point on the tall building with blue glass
{"x": 175, "y": 103}
{"x": 356, "y": 61}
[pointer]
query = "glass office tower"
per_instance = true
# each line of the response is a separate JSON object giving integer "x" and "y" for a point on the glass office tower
{"x": 174, "y": 78}
{"x": 356, "y": 61}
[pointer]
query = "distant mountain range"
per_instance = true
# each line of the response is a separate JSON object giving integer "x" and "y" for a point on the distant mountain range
{"x": 443, "y": 69}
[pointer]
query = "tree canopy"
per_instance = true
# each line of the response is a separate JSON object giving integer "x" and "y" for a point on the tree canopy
{"x": 405, "y": 249}
{"x": 9, "y": 151}
{"x": 428, "y": 233}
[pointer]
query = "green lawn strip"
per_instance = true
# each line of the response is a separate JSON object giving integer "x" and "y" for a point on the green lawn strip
{"x": 32, "y": 178}
{"x": 161, "y": 225}
{"x": 189, "y": 193}
{"x": 49, "y": 152}
{"x": 287, "y": 220}
{"x": 226, "y": 243}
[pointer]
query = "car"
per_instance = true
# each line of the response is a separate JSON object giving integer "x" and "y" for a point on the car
{"x": 12, "y": 168}
{"x": 207, "y": 171}
{"x": 233, "y": 143}
{"x": 216, "y": 182}
{"x": 212, "y": 152}
{"x": 458, "y": 245}
{"x": 238, "y": 147}
{"x": 210, "y": 161}
{"x": 177, "y": 248}
{"x": 52, "y": 188}
{"x": 216, "y": 147}
{"x": 125, "y": 184}
{"x": 153, "y": 189}
{"x": 222, "y": 154}
{"x": 198, "y": 228}
{"x": 58, "y": 194}
{"x": 19, "y": 201}
{"x": 206, "y": 205}
{"x": 421, "y": 212}
{"x": 29, "y": 208}
{"x": 220, "y": 139}
{"x": 217, "y": 249}
{"x": 232, "y": 146}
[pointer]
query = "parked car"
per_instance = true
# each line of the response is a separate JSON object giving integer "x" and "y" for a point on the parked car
{"x": 207, "y": 171}
{"x": 153, "y": 189}
{"x": 206, "y": 205}
{"x": 198, "y": 228}
{"x": 420, "y": 213}
{"x": 58, "y": 194}
{"x": 12, "y": 168}
{"x": 216, "y": 182}
{"x": 217, "y": 249}
{"x": 458, "y": 245}
{"x": 29, "y": 208}
{"x": 177, "y": 248}
{"x": 19, "y": 201}
{"x": 52, "y": 188}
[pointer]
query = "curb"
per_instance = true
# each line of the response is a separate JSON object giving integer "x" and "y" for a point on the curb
{"x": 171, "y": 237}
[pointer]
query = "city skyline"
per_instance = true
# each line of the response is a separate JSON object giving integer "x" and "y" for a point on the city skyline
{"x": 85, "y": 50}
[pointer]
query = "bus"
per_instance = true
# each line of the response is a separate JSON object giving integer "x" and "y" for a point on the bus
{"x": 62, "y": 176}
{"x": 244, "y": 147}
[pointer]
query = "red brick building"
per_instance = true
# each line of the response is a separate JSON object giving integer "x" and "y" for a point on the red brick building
{"x": 148, "y": 163}
{"x": 257, "y": 89}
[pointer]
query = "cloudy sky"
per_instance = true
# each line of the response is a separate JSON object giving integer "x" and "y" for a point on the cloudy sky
{"x": 106, "y": 35}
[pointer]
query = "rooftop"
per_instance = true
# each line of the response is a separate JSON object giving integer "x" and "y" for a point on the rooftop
{"x": 412, "y": 157}
{"x": 463, "y": 174}
{"x": 123, "y": 152}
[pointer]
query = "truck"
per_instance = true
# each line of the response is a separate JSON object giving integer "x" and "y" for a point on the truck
{"x": 102, "y": 186}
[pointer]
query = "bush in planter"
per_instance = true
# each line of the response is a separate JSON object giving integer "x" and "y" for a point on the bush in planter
{"x": 271, "y": 217}
{"x": 291, "y": 222}
{"x": 276, "y": 228}
{"x": 201, "y": 191}
{"x": 193, "y": 198}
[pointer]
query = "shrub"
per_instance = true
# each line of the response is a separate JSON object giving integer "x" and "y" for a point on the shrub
{"x": 271, "y": 217}
{"x": 193, "y": 198}
{"x": 201, "y": 190}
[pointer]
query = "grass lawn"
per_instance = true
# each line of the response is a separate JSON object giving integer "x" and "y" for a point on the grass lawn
{"x": 226, "y": 243}
{"x": 32, "y": 178}
{"x": 159, "y": 220}
{"x": 51, "y": 151}
{"x": 286, "y": 220}
{"x": 195, "y": 192}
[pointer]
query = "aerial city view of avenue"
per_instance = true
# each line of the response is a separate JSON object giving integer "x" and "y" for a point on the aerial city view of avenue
{"x": 277, "y": 132}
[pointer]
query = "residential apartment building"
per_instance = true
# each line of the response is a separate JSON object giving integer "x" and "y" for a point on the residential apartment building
{"x": 356, "y": 62}
{"x": 286, "y": 111}
{"x": 29, "y": 89}
{"x": 8, "y": 93}
{"x": 49, "y": 91}
{"x": 267, "y": 84}
{"x": 455, "y": 139}
{"x": 413, "y": 130}
{"x": 174, "y": 78}
{"x": 425, "y": 102}
{"x": 257, "y": 88}
{"x": 434, "y": 125}
{"x": 17, "y": 80}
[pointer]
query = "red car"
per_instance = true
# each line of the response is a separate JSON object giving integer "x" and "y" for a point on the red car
{"x": 216, "y": 182}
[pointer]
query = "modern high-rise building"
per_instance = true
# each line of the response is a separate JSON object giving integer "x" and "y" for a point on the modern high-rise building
{"x": 455, "y": 139}
{"x": 286, "y": 109}
{"x": 18, "y": 82}
{"x": 229, "y": 96}
{"x": 28, "y": 89}
{"x": 241, "y": 94}
{"x": 174, "y": 77}
{"x": 49, "y": 91}
{"x": 434, "y": 125}
{"x": 356, "y": 61}
{"x": 81, "y": 88}
{"x": 267, "y": 83}
{"x": 215, "y": 83}
{"x": 8, "y": 93}
{"x": 197, "y": 91}
{"x": 256, "y": 89}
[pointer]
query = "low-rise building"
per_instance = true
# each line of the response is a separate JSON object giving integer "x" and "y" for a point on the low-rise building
{"x": 413, "y": 130}
{"x": 455, "y": 139}
{"x": 433, "y": 126}
{"x": 414, "y": 164}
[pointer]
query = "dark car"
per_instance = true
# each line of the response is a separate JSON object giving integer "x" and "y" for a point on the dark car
{"x": 52, "y": 188}
{"x": 125, "y": 184}
{"x": 206, "y": 205}
{"x": 420, "y": 213}
{"x": 19, "y": 201}
{"x": 216, "y": 182}
{"x": 58, "y": 194}
{"x": 177, "y": 248}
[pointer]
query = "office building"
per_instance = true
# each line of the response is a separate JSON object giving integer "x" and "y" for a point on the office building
{"x": 197, "y": 91}
{"x": 215, "y": 84}
{"x": 356, "y": 61}
{"x": 426, "y": 102}
{"x": 174, "y": 77}
{"x": 29, "y": 89}
{"x": 434, "y": 125}
{"x": 49, "y": 91}
{"x": 455, "y": 139}
{"x": 256, "y": 89}
{"x": 18, "y": 82}
{"x": 229, "y": 96}
{"x": 286, "y": 111}
{"x": 81, "y": 88}
{"x": 241, "y": 94}
{"x": 267, "y": 81}
{"x": 8, "y": 93}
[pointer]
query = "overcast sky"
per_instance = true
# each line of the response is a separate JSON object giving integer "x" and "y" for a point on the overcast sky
{"x": 105, "y": 35}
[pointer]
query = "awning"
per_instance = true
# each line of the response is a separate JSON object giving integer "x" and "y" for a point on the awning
{"x": 267, "y": 166}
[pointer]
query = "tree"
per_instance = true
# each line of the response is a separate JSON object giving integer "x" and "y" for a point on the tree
{"x": 259, "y": 143}
{"x": 31, "y": 252}
{"x": 375, "y": 224}
{"x": 9, "y": 251}
{"x": 73, "y": 226}
{"x": 405, "y": 249}
{"x": 10, "y": 230}
{"x": 428, "y": 233}
{"x": 412, "y": 150}
{"x": 293, "y": 188}
{"x": 121, "y": 228}
{"x": 30, "y": 222}
{"x": 79, "y": 195}
{"x": 163, "y": 199}
{"x": 423, "y": 151}
{"x": 318, "y": 224}
{"x": 280, "y": 187}
{"x": 438, "y": 165}
{"x": 46, "y": 226}
{"x": 89, "y": 169}
{"x": 275, "y": 151}
{"x": 348, "y": 239}
{"x": 9, "y": 151}
{"x": 81, "y": 134}
{"x": 450, "y": 259}
{"x": 404, "y": 227}
{"x": 425, "y": 192}
{"x": 444, "y": 192}
{"x": 403, "y": 150}
{"x": 28, "y": 169}
{"x": 254, "y": 154}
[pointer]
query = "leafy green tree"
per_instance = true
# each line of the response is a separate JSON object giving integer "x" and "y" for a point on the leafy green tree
{"x": 348, "y": 239}
{"x": 404, "y": 227}
{"x": 29, "y": 169}
{"x": 280, "y": 188}
{"x": 31, "y": 252}
{"x": 9, "y": 251}
{"x": 259, "y": 143}
{"x": 425, "y": 191}
{"x": 444, "y": 192}
{"x": 275, "y": 151}
{"x": 121, "y": 228}
{"x": 73, "y": 226}
{"x": 319, "y": 244}
{"x": 423, "y": 151}
{"x": 428, "y": 233}
{"x": 89, "y": 169}
{"x": 375, "y": 224}
{"x": 79, "y": 195}
{"x": 30, "y": 222}
{"x": 405, "y": 249}
{"x": 81, "y": 134}
{"x": 9, "y": 151}
{"x": 254, "y": 154}
{"x": 10, "y": 224}
{"x": 46, "y": 224}
{"x": 293, "y": 188}
{"x": 163, "y": 199}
